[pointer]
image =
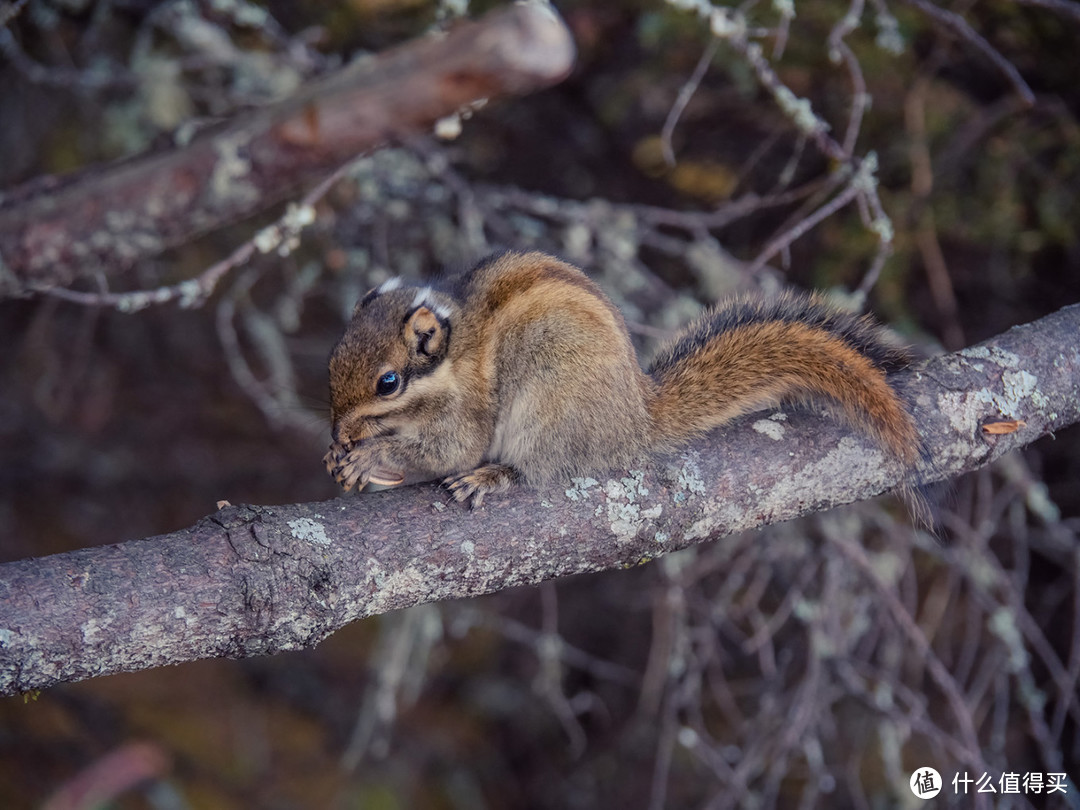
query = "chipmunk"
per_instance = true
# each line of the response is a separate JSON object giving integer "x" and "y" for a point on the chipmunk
{"x": 522, "y": 369}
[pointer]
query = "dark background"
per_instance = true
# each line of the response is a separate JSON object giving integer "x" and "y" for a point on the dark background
{"x": 675, "y": 682}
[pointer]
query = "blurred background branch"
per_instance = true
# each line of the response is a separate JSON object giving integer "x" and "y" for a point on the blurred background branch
{"x": 106, "y": 219}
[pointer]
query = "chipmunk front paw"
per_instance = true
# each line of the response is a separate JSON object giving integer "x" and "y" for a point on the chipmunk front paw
{"x": 366, "y": 463}
{"x": 489, "y": 479}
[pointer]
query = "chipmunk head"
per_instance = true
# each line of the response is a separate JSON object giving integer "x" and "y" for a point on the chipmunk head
{"x": 382, "y": 368}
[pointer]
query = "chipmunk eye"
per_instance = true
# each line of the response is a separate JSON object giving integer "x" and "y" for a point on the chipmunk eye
{"x": 388, "y": 383}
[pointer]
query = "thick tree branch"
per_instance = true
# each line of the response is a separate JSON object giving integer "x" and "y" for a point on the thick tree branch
{"x": 252, "y": 580}
{"x": 105, "y": 219}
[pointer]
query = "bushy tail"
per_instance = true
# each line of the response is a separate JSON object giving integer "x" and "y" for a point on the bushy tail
{"x": 746, "y": 355}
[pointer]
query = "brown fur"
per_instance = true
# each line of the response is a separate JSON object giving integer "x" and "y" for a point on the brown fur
{"x": 753, "y": 366}
{"x": 521, "y": 368}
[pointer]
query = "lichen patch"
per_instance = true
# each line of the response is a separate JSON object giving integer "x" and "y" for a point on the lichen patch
{"x": 625, "y": 514}
{"x": 768, "y": 427}
{"x": 309, "y": 530}
{"x": 689, "y": 480}
{"x": 967, "y": 409}
{"x": 993, "y": 354}
{"x": 580, "y": 489}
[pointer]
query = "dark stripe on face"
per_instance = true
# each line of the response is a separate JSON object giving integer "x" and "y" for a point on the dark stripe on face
{"x": 418, "y": 371}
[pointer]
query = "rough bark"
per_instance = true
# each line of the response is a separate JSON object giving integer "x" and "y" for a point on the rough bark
{"x": 105, "y": 219}
{"x": 251, "y": 580}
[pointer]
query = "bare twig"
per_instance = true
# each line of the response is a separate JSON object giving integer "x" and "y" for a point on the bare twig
{"x": 782, "y": 242}
{"x": 960, "y": 27}
{"x": 36, "y": 73}
{"x": 730, "y": 25}
{"x": 940, "y": 674}
{"x": 685, "y": 94}
{"x": 280, "y": 237}
{"x": 839, "y": 51}
{"x": 922, "y": 182}
{"x": 10, "y": 11}
{"x": 569, "y": 655}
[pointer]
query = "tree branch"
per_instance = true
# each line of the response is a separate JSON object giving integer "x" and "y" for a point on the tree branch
{"x": 252, "y": 580}
{"x": 105, "y": 219}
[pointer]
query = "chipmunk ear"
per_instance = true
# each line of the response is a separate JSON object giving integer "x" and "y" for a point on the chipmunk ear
{"x": 427, "y": 335}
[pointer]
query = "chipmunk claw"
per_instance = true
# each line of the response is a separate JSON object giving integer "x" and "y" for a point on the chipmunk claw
{"x": 360, "y": 466}
{"x": 332, "y": 459}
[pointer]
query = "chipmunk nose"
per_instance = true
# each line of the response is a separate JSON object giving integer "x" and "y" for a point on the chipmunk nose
{"x": 340, "y": 435}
